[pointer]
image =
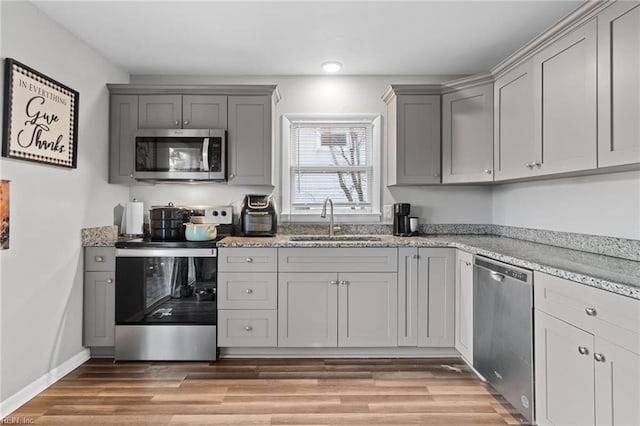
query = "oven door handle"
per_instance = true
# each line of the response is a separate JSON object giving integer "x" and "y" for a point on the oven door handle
{"x": 205, "y": 154}
{"x": 166, "y": 252}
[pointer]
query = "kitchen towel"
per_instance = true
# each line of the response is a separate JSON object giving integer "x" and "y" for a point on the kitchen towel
{"x": 133, "y": 218}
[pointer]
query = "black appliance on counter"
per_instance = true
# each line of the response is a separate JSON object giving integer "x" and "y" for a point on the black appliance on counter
{"x": 258, "y": 216}
{"x": 166, "y": 292}
{"x": 401, "y": 222}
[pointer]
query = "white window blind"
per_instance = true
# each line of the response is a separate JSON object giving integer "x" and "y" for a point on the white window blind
{"x": 331, "y": 159}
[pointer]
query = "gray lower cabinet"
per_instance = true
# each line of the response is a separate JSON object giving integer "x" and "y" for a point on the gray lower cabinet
{"x": 426, "y": 289}
{"x": 182, "y": 111}
{"x": 123, "y": 123}
{"x": 619, "y": 84}
{"x": 467, "y": 135}
{"x": 413, "y": 135}
{"x": 99, "y": 296}
{"x": 566, "y": 103}
{"x": 587, "y": 354}
{"x": 249, "y": 140}
{"x": 337, "y": 309}
{"x": 464, "y": 305}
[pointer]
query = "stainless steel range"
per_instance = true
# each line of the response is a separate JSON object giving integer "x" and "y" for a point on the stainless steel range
{"x": 166, "y": 305}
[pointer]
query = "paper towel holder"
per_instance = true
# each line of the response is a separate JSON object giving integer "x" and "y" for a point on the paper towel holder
{"x": 132, "y": 223}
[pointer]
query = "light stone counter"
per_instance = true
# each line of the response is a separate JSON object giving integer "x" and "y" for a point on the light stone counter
{"x": 612, "y": 274}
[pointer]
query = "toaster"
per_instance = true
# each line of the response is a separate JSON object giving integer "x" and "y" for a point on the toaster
{"x": 258, "y": 216}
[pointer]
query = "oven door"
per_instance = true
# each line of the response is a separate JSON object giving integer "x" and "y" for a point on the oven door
{"x": 174, "y": 154}
{"x": 165, "y": 304}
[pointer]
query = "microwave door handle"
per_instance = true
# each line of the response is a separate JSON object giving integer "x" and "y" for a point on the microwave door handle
{"x": 205, "y": 154}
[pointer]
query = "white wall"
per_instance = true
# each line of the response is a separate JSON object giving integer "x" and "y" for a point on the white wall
{"x": 600, "y": 205}
{"x": 41, "y": 274}
{"x": 329, "y": 94}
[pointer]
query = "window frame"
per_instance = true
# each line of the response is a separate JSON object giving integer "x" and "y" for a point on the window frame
{"x": 373, "y": 120}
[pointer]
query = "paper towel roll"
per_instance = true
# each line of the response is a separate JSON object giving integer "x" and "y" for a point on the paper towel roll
{"x": 134, "y": 218}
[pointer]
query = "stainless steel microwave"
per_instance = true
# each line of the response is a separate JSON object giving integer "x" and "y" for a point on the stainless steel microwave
{"x": 180, "y": 154}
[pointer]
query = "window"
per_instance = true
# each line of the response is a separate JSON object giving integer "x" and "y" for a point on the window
{"x": 331, "y": 156}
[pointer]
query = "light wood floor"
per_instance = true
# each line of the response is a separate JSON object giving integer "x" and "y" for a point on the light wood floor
{"x": 270, "y": 392}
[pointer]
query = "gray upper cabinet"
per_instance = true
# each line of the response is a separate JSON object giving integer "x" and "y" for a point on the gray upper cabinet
{"x": 565, "y": 103}
{"x": 467, "y": 135}
{"x": 178, "y": 111}
{"x": 514, "y": 144}
{"x": 123, "y": 123}
{"x": 413, "y": 135}
{"x": 160, "y": 112}
{"x": 249, "y": 140}
{"x": 619, "y": 84}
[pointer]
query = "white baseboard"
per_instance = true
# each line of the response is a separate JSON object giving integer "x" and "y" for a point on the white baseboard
{"x": 390, "y": 352}
{"x": 25, "y": 394}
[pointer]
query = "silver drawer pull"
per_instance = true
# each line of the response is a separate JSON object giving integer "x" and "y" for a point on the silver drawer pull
{"x": 249, "y": 291}
{"x": 333, "y": 282}
{"x": 249, "y": 260}
{"x": 110, "y": 281}
{"x": 487, "y": 171}
{"x": 99, "y": 259}
{"x": 248, "y": 328}
{"x": 591, "y": 312}
{"x": 467, "y": 263}
{"x": 583, "y": 350}
{"x": 598, "y": 357}
{"x": 343, "y": 282}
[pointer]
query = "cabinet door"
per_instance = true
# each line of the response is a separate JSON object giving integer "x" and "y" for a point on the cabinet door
{"x": 367, "y": 309}
{"x": 467, "y": 135}
{"x": 514, "y": 143}
{"x": 564, "y": 376}
{"x": 464, "y": 305}
{"x": 307, "y": 310}
{"x": 249, "y": 140}
{"x": 619, "y": 84}
{"x": 123, "y": 123}
{"x": 417, "y": 147}
{"x": 617, "y": 384}
{"x": 160, "y": 112}
{"x": 565, "y": 78}
{"x": 436, "y": 287}
{"x": 204, "y": 112}
{"x": 99, "y": 308}
{"x": 407, "y": 297}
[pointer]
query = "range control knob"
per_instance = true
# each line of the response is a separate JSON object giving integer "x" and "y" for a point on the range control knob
{"x": 223, "y": 213}
{"x": 215, "y": 213}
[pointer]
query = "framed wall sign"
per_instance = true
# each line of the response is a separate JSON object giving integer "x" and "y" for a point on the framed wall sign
{"x": 40, "y": 117}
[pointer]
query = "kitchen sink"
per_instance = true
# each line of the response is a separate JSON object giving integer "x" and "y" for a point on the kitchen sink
{"x": 335, "y": 238}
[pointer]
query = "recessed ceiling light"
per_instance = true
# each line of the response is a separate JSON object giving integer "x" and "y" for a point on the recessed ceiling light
{"x": 332, "y": 66}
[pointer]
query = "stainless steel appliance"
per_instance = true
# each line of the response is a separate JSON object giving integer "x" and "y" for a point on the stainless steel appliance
{"x": 180, "y": 154}
{"x": 258, "y": 216}
{"x": 502, "y": 331}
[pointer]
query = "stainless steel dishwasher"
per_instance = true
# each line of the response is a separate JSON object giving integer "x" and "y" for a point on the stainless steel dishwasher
{"x": 502, "y": 330}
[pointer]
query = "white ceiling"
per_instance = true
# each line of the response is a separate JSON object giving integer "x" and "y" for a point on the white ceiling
{"x": 294, "y": 38}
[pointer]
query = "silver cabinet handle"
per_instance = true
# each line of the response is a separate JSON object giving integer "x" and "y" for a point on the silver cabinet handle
{"x": 467, "y": 263}
{"x": 110, "y": 281}
{"x": 333, "y": 282}
{"x": 415, "y": 256}
{"x": 436, "y": 175}
{"x": 231, "y": 175}
{"x": 249, "y": 291}
{"x": 537, "y": 164}
{"x": 488, "y": 171}
{"x": 583, "y": 350}
{"x": 343, "y": 282}
{"x": 177, "y": 122}
{"x": 99, "y": 259}
{"x": 248, "y": 328}
{"x": 249, "y": 260}
{"x": 598, "y": 357}
{"x": 186, "y": 122}
{"x": 591, "y": 312}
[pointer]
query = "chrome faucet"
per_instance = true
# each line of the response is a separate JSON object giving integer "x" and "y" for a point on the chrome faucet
{"x": 324, "y": 214}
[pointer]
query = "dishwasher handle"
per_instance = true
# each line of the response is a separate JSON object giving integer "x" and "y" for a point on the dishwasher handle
{"x": 496, "y": 276}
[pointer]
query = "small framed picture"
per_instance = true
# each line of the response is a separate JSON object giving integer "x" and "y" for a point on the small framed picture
{"x": 40, "y": 117}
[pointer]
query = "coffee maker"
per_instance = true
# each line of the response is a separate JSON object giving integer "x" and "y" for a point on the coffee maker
{"x": 401, "y": 223}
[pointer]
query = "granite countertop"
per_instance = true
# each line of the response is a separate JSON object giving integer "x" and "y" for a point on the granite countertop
{"x": 608, "y": 273}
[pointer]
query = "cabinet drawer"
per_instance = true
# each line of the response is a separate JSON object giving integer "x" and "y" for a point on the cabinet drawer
{"x": 247, "y": 259}
{"x": 241, "y": 290}
{"x": 247, "y": 328}
{"x": 594, "y": 310}
{"x": 338, "y": 260}
{"x": 99, "y": 259}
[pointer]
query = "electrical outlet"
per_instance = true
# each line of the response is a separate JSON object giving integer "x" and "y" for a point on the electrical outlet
{"x": 388, "y": 211}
